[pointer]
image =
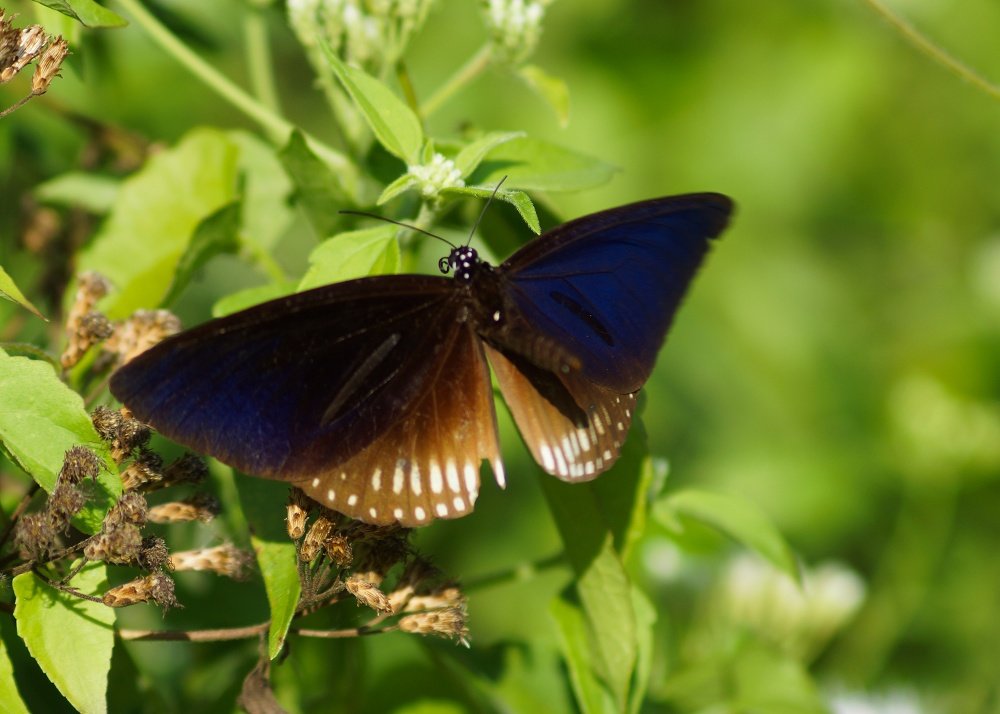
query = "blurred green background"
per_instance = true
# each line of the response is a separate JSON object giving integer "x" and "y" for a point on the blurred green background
{"x": 837, "y": 361}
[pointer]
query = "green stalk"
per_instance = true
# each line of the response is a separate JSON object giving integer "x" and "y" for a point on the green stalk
{"x": 465, "y": 74}
{"x": 276, "y": 126}
{"x": 258, "y": 59}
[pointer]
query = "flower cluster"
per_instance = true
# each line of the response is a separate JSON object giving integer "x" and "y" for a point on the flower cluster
{"x": 436, "y": 175}
{"x": 515, "y": 27}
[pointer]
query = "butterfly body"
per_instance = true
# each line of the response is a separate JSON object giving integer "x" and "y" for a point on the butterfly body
{"x": 374, "y": 395}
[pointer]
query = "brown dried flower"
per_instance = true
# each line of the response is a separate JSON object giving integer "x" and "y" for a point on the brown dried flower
{"x": 141, "y": 331}
{"x": 131, "y": 508}
{"x": 368, "y": 594}
{"x": 449, "y": 622}
{"x": 224, "y": 559}
{"x": 339, "y": 550}
{"x": 188, "y": 469}
{"x": 299, "y": 506}
{"x": 144, "y": 473}
{"x": 48, "y": 67}
{"x": 157, "y": 587}
{"x": 153, "y": 555}
{"x": 120, "y": 430}
{"x": 84, "y": 327}
{"x": 80, "y": 463}
{"x": 199, "y": 507}
{"x": 20, "y": 48}
{"x": 320, "y": 530}
{"x": 120, "y": 545}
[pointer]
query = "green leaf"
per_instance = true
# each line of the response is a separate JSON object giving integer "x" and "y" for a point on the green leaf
{"x": 216, "y": 234}
{"x": 70, "y": 638}
{"x": 92, "y": 192}
{"x": 645, "y": 619}
{"x": 317, "y": 188}
{"x": 40, "y": 420}
{"x": 519, "y": 199}
{"x": 552, "y": 89}
{"x": 10, "y": 698}
{"x": 267, "y": 190}
{"x": 536, "y": 165}
{"x": 469, "y": 158}
{"x": 11, "y": 292}
{"x": 88, "y": 12}
{"x": 263, "y": 505}
{"x": 394, "y": 124}
{"x": 592, "y": 696}
{"x": 354, "y": 254}
{"x": 737, "y": 518}
{"x": 155, "y": 216}
{"x": 601, "y": 583}
{"x": 403, "y": 183}
{"x": 242, "y": 299}
{"x": 623, "y": 498}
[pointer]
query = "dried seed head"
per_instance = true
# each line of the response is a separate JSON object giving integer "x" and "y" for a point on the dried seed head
{"x": 368, "y": 594}
{"x": 157, "y": 587}
{"x": 338, "y": 550}
{"x": 36, "y": 535}
{"x": 320, "y": 530}
{"x": 445, "y": 596}
{"x": 449, "y": 622}
{"x": 119, "y": 545}
{"x": 199, "y": 507}
{"x": 382, "y": 556}
{"x": 29, "y": 43}
{"x": 144, "y": 473}
{"x": 224, "y": 559}
{"x": 299, "y": 506}
{"x": 84, "y": 327}
{"x": 48, "y": 67}
{"x": 131, "y": 508}
{"x": 120, "y": 430}
{"x": 80, "y": 463}
{"x": 188, "y": 469}
{"x": 141, "y": 331}
{"x": 64, "y": 502}
{"x": 153, "y": 555}
{"x": 419, "y": 575}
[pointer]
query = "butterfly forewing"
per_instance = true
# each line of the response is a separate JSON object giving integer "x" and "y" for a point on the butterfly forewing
{"x": 606, "y": 286}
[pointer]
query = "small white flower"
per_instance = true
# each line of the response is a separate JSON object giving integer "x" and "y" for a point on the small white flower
{"x": 516, "y": 26}
{"x": 436, "y": 176}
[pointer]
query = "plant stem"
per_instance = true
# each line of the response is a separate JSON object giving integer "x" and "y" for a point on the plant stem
{"x": 936, "y": 53}
{"x": 276, "y": 126}
{"x": 465, "y": 74}
{"x": 258, "y": 58}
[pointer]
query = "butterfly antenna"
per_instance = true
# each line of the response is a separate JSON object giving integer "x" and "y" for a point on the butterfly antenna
{"x": 398, "y": 223}
{"x": 483, "y": 212}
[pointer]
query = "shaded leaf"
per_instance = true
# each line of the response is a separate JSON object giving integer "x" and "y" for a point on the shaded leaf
{"x": 737, "y": 518}
{"x": 394, "y": 124}
{"x": 624, "y": 499}
{"x": 70, "y": 638}
{"x": 317, "y": 189}
{"x": 267, "y": 190}
{"x": 645, "y": 619}
{"x": 88, "y": 12}
{"x": 216, "y": 234}
{"x": 242, "y": 299}
{"x": 470, "y": 156}
{"x": 518, "y": 199}
{"x": 574, "y": 640}
{"x": 93, "y": 192}
{"x": 10, "y": 291}
{"x": 400, "y": 185}
{"x": 10, "y": 698}
{"x": 536, "y": 165}
{"x": 263, "y": 505}
{"x": 153, "y": 220}
{"x": 552, "y": 89}
{"x": 40, "y": 420}
{"x": 354, "y": 254}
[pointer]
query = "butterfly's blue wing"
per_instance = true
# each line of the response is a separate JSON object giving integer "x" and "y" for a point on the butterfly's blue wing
{"x": 605, "y": 287}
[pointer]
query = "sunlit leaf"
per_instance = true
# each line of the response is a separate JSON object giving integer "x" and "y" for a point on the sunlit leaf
{"x": 394, "y": 124}
{"x": 155, "y": 216}
{"x": 471, "y": 155}
{"x": 40, "y": 420}
{"x": 242, "y": 299}
{"x": 10, "y": 291}
{"x": 87, "y": 12}
{"x": 70, "y": 638}
{"x": 737, "y": 518}
{"x": 518, "y": 199}
{"x": 92, "y": 192}
{"x": 592, "y": 696}
{"x": 645, "y": 619}
{"x": 10, "y": 698}
{"x": 355, "y": 254}
{"x": 400, "y": 185}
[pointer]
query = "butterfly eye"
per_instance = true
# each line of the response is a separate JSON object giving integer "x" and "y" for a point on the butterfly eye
{"x": 444, "y": 265}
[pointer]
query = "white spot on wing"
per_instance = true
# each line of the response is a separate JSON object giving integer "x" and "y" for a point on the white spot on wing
{"x": 452, "y": 473}
{"x": 331, "y": 496}
{"x": 397, "y": 477}
{"x": 437, "y": 481}
{"x": 471, "y": 478}
{"x": 584, "y": 439}
{"x": 499, "y": 474}
{"x": 373, "y": 512}
{"x": 442, "y": 509}
{"x": 415, "y": 480}
{"x": 459, "y": 503}
{"x": 352, "y": 499}
{"x": 560, "y": 462}
{"x": 397, "y": 513}
{"x": 547, "y": 460}
{"x": 315, "y": 482}
{"x": 607, "y": 454}
{"x": 419, "y": 513}
{"x": 377, "y": 480}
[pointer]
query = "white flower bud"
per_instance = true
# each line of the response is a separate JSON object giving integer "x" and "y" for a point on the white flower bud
{"x": 437, "y": 175}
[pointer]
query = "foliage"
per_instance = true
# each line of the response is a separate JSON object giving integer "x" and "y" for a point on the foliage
{"x": 831, "y": 383}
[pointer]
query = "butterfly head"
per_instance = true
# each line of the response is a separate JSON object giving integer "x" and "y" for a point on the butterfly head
{"x": 463, "y": 260}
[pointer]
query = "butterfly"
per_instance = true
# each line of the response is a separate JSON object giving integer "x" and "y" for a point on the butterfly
{"x": 374, "y": 396}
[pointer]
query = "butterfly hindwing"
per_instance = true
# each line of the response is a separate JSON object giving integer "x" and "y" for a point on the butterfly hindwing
{"x": 605, "y": 287}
